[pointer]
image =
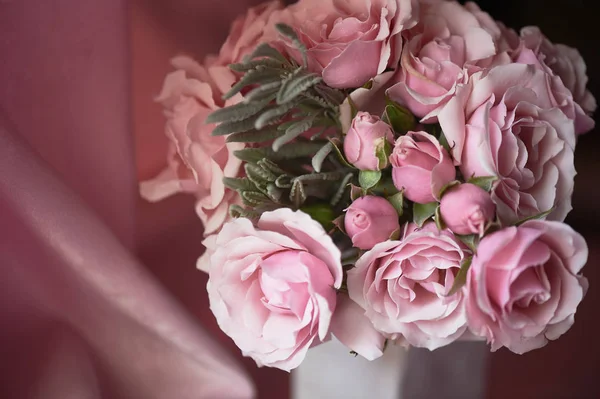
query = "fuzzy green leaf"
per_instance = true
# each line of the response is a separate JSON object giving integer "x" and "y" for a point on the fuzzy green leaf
{"x": 397, "y": 201}
{"x": 246, "y": 66}
{"x": 265, "y": 50}
{"x": 236, "y": 211}
{"x": 237, "y": 112}
{"x": 274, "y": 193}
{"x": 254, "y": 136}
{"x": 294, "y": 131}
{"x": 253, "y": 198}
{"x": 273, "y": 114}
{"x": 265, "y": 92}
{"x": 485, "y": 182}
{"x": 461, "y": 277}
{"x": 238, "y": 183}
{"x": 422, "y": 212}
{"x": 283, "y": 181}
{"x": 259, "y": 175}
{"x": 259, "y": 76}
{"x": 226, "y": 128}
{"x": 288, "y": 32}
{"x": 270, "y": 166}
{"x": 297, "y": 194}
{"x": 368, "y": 178}
{"x": 288, "y": 151}
{"x": 320, "y": 156}
{"x": 293, "y": 87}
{"x": 333, "y": 96}
{"x": 337, "y": 197}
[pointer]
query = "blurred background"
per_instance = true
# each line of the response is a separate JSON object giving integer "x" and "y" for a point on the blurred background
{"x": 95, "y": 66}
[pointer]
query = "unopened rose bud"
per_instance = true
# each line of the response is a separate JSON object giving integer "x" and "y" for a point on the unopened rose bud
{"x": 421, "y": 167}
{"x": 467, "y": 209}
{"x": 367, "y": 135}
{"x": 370, "y": 220}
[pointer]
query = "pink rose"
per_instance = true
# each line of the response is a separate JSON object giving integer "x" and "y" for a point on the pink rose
{"x": 367, "y": 135}
{"x": 433, "y": 61}
{"x": 402, "y": 287}
{"x": 370, "y": 220}
{"x": 272, "y": 288}
{"x": 567, "y": 64}
{"x": 421, "y": 167}
{"x": 198, "y": 161}
{"x": 247, "y": 32}
{"x": 467, "y": 209}
{"x": 508, "y": 123}
{"x": 350, "y": 42}
{"x": 523, "y": 286}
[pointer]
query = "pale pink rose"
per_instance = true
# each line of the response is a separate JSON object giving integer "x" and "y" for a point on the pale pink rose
{"x": 565, "y": 62}
{"x": 467, "y": 209}
{"x": 367, "y": 135}
{"x": 508, "y": 123}
{"x": 197, "y": 160}
{"x": 272, "y": 288}
{"x": 248, "y": 31}
{"x": 350, "y": 41}
{"x": 434, "y": 60}
{"x": 524, "y": 285}
{"x": 403, "y": 285}
{"x": 421, "y": 167}
{"x": 370, "y": 220}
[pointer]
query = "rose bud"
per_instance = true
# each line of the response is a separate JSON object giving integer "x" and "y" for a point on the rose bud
{"x": 467, "y": 208}
{"x": 370, "y": 220}
{"x": 367, "y": 135}
{"x": 421, "y": 167}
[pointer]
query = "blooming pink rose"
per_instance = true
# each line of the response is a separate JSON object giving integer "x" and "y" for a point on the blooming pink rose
{"x": 508, "y": 123}
{"x": 433, "y": 61}
{"x": 467, "y": 209}
{"x": 370, "y": 220}
{"x": 366, "y": 136}
{"x": 523, "y": 286}
{"x": 350, "y": 41}
{"x": 567, "y": 64}
{"x": 421, "y": 167}
{"x": 247, "y": 32}
{"x": 403, "y": 287}
{"x": 272, "y": 287}
{"x": 197, "y": 160}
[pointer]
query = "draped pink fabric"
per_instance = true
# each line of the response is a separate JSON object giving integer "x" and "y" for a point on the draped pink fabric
{"x": 99, "y": 296}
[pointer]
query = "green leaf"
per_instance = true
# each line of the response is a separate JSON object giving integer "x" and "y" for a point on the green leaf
{"x": 485, "y": 182}
{"x": 399, "y": 118}
{"x": 259, "y": 76}
{"x": 283, "y": 181}
{"x": 422, "y": 212}
{"x": 333, "y": 96}
{"x": 237, "y": 112}
{"x": 320, "y": 156}
{"x": 470, "y": 240}
{"x": 368, "y": 178}
{"x": 444, "y": 142}
{"x": 394, "y": 235}
{"x": 253, "y": 198}
{"x": 294, "y": 131}
{"x": 265, "y": 50}
{"x": 288, "y": 31}
{"x": 292, "y": 88}
{"x": 236, "y": 211}
{"x": 322, "y": 213}
{"x": 339, "y": 153}
{"x": 541, "y": 215}
{"x": 329, "y": 176}
{"x": 248, "y": 65}
{"x": 225, "y": 128}
{"x": 274, "y": 193}
{"x": 238, "y": 183}
{"x": 397, "y": 201}
{"x": 383, "y": 149}
{"x": 259, "y": 176}
{"x": 461, "y": 277}
{"x": 341, "y": 189}
{"x": 288, "y": 151}
{"x": 273, "y": 114}
{"x": 297, "y": 194}
{"x": 439, "y": 222}
{"x": 264, "y": 92}
{"x": 254, "y": 136}
{"x": 270, "y": 166}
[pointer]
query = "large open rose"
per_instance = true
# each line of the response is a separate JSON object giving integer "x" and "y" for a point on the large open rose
{"x": 403, "y": 285}
{"x": 509, "y": 123}
{"x": 524, "y": 285}
{"x": 350, "y": 41}
{"x": 198, "y": 161}
{"x": 272, "y": 287}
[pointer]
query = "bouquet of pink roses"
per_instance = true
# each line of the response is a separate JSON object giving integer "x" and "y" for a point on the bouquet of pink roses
{"x": 381, "y": 171}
